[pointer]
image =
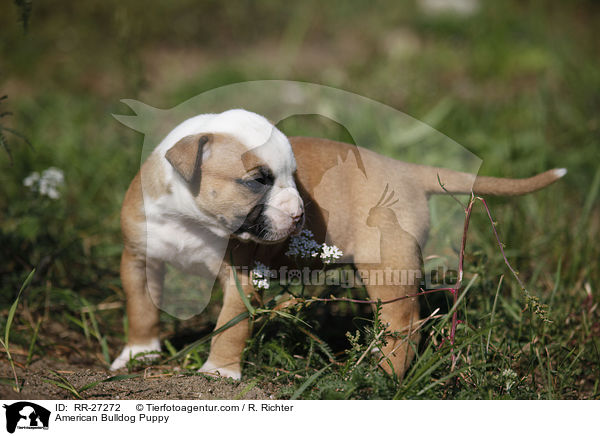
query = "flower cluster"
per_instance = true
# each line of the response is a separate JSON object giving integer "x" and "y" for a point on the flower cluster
{"x": 329, "y": 253}
{"x": 48, "y": 183}
{"x": 261, "y": 275}
{"x": 510, "y": 378}
{"x": 303, "y": 246}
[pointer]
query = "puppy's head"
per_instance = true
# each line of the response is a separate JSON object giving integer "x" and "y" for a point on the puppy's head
{"x": 247, "y": 190}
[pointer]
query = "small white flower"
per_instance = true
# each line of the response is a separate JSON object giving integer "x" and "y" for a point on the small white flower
{"x": 260, "y": 284}
{"x": 47, "y": 184}
{"x": 31, "y": 179}
{"x": 303, "y": 246}
{"x": 509, "y": 373}
{"x": 510, "y": 378}
{"x": 329, "y": 253}
{"x": 53, "y": 176}
{"x": 260, "y": 275}
{"x": 461, "y": 8}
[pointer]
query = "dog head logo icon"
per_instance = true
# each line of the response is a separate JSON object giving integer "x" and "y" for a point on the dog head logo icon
{"x": 24, "y": 414}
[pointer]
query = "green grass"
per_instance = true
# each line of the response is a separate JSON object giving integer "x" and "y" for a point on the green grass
{"x": 517, "y": 85}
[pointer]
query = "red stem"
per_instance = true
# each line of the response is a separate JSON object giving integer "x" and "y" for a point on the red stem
{"x": 455, "y": 290}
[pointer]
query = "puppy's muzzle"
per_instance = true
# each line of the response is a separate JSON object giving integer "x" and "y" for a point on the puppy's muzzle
{"x": 287, "y": 210}
{"x": 298, "y": 221}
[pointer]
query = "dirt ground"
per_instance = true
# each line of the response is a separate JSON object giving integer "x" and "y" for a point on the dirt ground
{"x": 153, "y": 384}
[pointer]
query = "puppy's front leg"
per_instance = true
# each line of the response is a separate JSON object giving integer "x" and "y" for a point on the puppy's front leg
{"x": 142, "y": 281}
{"x": 227, "y": 347}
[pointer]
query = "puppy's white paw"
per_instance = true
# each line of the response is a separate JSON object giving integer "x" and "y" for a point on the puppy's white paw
{"x": 211, "y": 369}
{"x": 130, "y": 351}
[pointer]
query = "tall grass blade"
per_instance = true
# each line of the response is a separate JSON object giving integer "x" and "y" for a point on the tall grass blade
{"x": 13, "y": 308}
{"x": 108, "y": 380}
{"x": 238, "y": 285}
{"x": 32, "y": 343}
{"x": 206, "y": 338}
{"x": 487, "y": 346}
{"x": 308, "y": 382}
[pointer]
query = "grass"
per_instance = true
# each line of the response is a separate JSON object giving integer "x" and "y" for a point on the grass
{"x": 77, "y": 393}
{"x": 6, "y": 341}
{"x": 517, "y": 85}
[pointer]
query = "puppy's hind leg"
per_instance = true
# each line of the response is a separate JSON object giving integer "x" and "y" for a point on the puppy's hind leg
{"x": 142, "y": 282}
{"x": 398, "y": 274}
{"x": 401, "y": 317}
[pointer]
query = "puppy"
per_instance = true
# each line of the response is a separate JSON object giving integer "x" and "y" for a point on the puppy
{"x": 231, "y": 186}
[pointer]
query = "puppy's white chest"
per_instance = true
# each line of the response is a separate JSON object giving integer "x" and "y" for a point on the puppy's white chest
{"x": 185, "y": 245}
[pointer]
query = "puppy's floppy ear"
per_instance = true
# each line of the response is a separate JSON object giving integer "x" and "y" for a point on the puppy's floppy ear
{"x": 186, "y": 156}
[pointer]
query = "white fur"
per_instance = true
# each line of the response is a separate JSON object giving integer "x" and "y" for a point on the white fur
{"x": 130, "y": 351}
{"x": 192, "y": 249}
{"x": 179, "y": 232}
{"x": 284, "y": 203}
{"x": 560, "y": 172}
{"x": 212, "y": 369}
{"x": 249, "y": 128}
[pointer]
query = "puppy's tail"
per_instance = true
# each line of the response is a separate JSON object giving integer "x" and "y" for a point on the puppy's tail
{"x": 455, "y": 182}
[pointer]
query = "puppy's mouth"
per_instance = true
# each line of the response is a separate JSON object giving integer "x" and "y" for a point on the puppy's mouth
{"x": 256, "y": 227}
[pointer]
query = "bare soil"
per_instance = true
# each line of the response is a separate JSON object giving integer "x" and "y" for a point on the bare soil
{"x": 152, "y": 384}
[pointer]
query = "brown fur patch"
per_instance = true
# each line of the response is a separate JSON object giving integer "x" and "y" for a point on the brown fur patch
{"x": 186, "y": 156}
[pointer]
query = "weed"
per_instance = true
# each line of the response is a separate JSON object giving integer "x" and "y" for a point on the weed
{"x": 62, "y": 382}
{"x": 7, "y": 326}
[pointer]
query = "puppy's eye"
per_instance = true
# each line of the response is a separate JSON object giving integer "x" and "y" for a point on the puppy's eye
{"x": 259, "y": 181}
{"x": 255, "y": 185}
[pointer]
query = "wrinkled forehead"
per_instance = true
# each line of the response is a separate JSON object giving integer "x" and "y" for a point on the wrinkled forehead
{"x": 261, "y": 140}
{"x": 256, "y": 135}
{"x": 276, "y": 153}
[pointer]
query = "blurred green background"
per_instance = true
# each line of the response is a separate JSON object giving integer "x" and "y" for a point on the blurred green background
{"x": 520, "y": 81}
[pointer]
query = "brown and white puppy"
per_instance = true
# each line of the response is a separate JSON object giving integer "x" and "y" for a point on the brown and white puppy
{"x": 233, "y": 180}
